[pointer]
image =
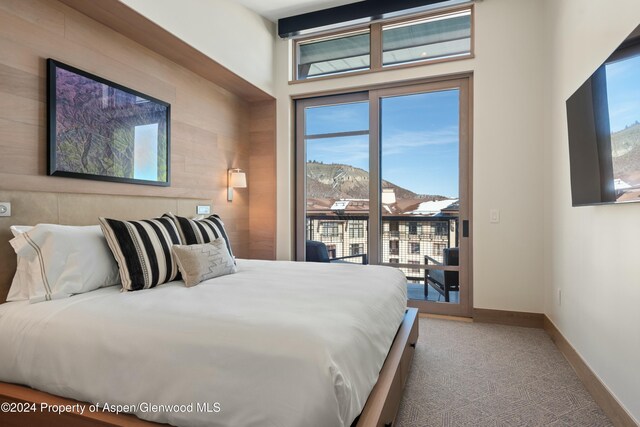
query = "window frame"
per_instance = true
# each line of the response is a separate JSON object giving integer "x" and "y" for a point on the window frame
{"x": 357, "y": 230}
{"x": 358, "y": 246}
{"x": 375, "y": 44}
{"x": 375, "y": 249}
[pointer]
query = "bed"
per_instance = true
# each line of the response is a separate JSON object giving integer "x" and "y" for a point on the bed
{"x": 278, "y": 343}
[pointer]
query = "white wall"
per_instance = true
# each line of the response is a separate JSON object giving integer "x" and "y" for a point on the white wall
{"x": 508, "y": 149}
{"x": 592, "y": 253}
{"x": 234, "y": 36}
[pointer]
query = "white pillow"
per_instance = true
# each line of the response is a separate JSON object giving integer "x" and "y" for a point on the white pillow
{"x": 63, "y": 260}
{"x": 204, "y": 261}
{"x": 19, "y": 290}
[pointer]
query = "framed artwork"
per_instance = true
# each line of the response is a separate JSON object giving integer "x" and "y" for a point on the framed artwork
{"x": 98, "y": 129}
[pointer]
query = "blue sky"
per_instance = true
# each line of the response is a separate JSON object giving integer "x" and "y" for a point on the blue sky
{"x": 419, "y": 139}
{"x": 623, "y": 92}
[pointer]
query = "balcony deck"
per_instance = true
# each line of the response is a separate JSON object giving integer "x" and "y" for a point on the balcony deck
{"x": 415, "y": 291}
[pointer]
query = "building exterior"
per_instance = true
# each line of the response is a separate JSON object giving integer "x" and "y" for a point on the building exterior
{"x": 407, "y": 236}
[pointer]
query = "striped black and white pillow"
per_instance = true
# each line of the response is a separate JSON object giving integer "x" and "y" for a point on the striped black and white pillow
{"x": 143, "y": 250}
{"x": 198, "y": 231}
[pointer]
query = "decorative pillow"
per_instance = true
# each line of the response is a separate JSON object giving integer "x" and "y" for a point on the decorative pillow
{"x": 204, "y": 261}
{"x": 143, "y": 250}
{"x": 58, "y": 261}
{"x": 19, "y": 290}
{"x": 197, "y": 231}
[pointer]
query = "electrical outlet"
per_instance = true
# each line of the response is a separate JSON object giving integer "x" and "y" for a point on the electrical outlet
{"x": 494, "y": 216}
{"x": 203, "y": 209}
{"x": 559, "y": 296}
{"x": 5, "y": 209}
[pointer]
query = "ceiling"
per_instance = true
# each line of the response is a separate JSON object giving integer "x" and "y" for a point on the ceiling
{"x": 276, "y": 9}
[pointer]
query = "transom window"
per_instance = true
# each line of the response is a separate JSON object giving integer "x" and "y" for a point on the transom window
{"x": 436, "y": 37}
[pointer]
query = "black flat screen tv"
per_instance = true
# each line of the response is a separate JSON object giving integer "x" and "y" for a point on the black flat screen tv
{"x": 603, "y": 118}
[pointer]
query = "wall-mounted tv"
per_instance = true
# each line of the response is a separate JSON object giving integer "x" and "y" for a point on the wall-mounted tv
{"x": 603, "y": 118}
{"x": 98, "y": 129}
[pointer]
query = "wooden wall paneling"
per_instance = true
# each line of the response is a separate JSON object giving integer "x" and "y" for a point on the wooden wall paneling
{"x": 210, "y": 124}
{"x": 20, "y": 83}
{"x": 262, "y": 181}
{"x": 42, "y": 15}
{"x": 218, "y": 121}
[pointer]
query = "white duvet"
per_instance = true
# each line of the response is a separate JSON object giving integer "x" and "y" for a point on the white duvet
{"x": 276, "y": 344}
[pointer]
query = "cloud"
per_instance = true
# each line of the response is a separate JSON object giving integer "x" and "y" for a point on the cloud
{"x": 347, "y": 150}
{"x": 337, "y": 118}
{"x": 355, "y": 150}
{"x": 405, "y": 142}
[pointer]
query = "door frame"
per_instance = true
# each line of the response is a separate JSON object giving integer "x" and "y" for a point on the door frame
{"x": 374, "y": 93}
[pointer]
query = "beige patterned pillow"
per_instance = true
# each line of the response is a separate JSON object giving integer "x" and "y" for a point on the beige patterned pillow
{"x": 202, "y": 262}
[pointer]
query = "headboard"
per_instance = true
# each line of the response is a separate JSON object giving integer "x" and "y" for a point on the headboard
{"x": 31, "y": 208}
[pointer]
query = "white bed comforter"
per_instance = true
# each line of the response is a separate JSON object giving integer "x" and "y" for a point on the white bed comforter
{"x": 277, "y": 344}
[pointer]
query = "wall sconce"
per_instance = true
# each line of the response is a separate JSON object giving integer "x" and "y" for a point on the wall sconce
{"x": 388, "y": 196}
{"x": 236, "y": 178}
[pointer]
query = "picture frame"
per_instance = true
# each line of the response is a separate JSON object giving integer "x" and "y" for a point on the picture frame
{"x": 100, "y": 130}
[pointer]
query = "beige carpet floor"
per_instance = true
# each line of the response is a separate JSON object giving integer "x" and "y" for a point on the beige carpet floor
{"x": 476, "y": 374}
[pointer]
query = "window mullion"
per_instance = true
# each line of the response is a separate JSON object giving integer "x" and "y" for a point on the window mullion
{"x": 374, "y": 178}
{"x": 375, "y": 46}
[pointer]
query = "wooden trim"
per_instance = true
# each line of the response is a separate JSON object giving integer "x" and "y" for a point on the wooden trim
{"x": 385, "y": 85}
{"x": 599, "y": 391}
{"x": 380, "y": 410}
{"x": 375, "y": 182}
{"x": 383, "y": 402}
{"x": 446, "y": 317}
{"x": 512, "y": 318}
{"x": 133, "y": 25}
{"x": 375, "y": 48}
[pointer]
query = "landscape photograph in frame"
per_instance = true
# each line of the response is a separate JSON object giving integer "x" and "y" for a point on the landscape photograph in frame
{"x": 98, "y": 129}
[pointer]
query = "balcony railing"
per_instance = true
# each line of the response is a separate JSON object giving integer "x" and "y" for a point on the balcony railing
{"x": 404, "y": 240}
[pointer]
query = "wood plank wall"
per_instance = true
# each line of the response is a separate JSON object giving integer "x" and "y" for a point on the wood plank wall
{"x": 262, "y": 218}
{"x": 212, "y": 128}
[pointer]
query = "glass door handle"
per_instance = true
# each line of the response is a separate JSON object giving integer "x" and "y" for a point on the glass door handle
{"x": 465, "y": 228}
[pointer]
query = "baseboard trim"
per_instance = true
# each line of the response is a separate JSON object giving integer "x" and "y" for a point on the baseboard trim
{"x": 446, "y": 317}
{"x": 600, "y": 393}
{"x": 512, "y": 318}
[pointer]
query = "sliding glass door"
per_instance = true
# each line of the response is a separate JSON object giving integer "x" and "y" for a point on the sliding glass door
{"x": 384, "y": 176}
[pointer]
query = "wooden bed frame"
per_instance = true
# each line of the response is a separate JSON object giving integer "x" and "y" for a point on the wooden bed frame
{"x": 379, "y": 411}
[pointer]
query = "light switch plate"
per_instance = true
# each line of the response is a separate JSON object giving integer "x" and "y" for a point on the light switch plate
{"x": 203, "y": 209}
{"x": 5, "y": 209}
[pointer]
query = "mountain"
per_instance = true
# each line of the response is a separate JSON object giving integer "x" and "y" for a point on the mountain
{"x": 338, "y": 181}
{"x": 625, "y": 148}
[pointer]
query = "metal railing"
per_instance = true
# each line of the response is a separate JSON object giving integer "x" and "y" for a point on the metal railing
{"x": 404, "y": 240}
